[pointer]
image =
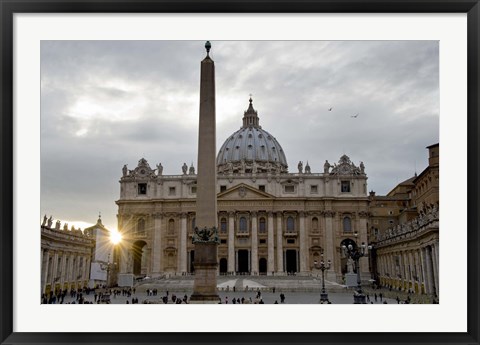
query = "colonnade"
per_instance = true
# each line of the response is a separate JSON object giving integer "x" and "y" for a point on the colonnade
{"x": 410, "y": 269}
{"x": 63, "y": 269}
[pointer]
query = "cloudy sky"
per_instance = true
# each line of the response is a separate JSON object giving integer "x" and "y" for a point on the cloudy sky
{"x": 109, "y": 103}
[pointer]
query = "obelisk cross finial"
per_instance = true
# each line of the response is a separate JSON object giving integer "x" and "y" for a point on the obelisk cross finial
{"x": 208, "y": 46}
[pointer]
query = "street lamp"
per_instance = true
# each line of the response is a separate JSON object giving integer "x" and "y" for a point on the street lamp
{"x": 355, "y": 253}
{"x": 107, "y": 267}
{"x": 323, "y": 267}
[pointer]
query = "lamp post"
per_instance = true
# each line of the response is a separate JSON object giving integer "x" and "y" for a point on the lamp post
{"x": 107, "y": 267}
{"x": 323, "y": 267}
{"x": 355, "y": 253}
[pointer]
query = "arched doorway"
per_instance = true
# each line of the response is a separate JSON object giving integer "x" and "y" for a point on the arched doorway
{"x": 291, "y": 259}
{"x": 139, "y": 258}
{"x": 223, "y": 266}
{"x": 243, "y": 261}
{"x": 344, "y": 260}
{"x": 262, "y": 266}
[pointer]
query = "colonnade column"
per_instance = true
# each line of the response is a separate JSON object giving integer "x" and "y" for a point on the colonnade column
{"x": 435, "y": 266}
{"x": 271, "y": 254}
{"x": 279, "y": 242}
{"x": 46, "y": 256}
{"x": 54, "y": 270}
{"x": 424, "y": 270}
{"x": 231, "y": 242}
{"x": 157, "y": 245}
{"x": 303, "y": 244}
{"x": 428, "y": 255}
{"x": 183, "y": 243}
{"x": 254, "y": 257}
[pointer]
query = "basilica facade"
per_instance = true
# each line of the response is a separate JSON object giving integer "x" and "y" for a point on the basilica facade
{"x": 270, "y": 221}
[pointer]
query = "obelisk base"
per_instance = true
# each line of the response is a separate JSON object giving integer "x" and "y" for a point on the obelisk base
{"x": 205, "y": 283}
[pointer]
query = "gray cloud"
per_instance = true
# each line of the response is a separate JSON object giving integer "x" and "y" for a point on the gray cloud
{"x": 109, "y": 103}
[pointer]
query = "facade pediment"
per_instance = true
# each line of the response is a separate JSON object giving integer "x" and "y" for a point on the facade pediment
{"x": 243, "y": 191}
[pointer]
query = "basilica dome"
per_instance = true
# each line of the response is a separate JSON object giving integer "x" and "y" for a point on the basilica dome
{"x": 251, "y": 149}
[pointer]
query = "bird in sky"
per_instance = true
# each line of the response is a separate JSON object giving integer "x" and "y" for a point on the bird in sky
{"x": 355, "y": 116}
{"x": 330, "y": 109}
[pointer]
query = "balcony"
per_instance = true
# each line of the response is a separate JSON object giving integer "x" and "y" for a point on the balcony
{"x": 290, "y": 233}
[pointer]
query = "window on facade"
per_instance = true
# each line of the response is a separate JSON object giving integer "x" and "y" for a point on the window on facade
{"x": 171, "y": 226}
{"x": 194, "y": 190}
{"x": 345, "y": 185}
{"x": 141, "y": 225}
{"x": 223, "y": 188}
{"x": 262, "y": 226}
{"x": 347, "y": 224}
{"x": 289, "y": 189}
{"x": 223, "y": 225}
{"x": 291, "y": 241}
{"x": 142, "y": 188}
{"x": 314, "y": 189}
{"x": 290, "y": 224}
{"x": 171, "y": 191}
{"x": 243, "y": 224}
{"x": 223, "y": 241}
{"x": 261, "y": 187}
{"x": 193, "y": 223}
{"x": 263, "y": 241}
{"x": 315, "y": 224}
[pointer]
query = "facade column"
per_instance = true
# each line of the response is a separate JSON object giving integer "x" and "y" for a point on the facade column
{"x": 270, "y": 240}
{"x": 157, "y": 244}
{"x": 303, "y": 244}
{"x": 254, "y": 257}
{"x": 362, "y": 235}
{"x": 183, "y": 243}
{"x": 330, "y": 246}
{"x": 231, "y": 242}
{"x": 279, "y": 242}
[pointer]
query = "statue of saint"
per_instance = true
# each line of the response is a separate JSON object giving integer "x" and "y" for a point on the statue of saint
{"x": 50, "y": 222}
{"x": 125, "y": 170}
{"x": 191, "y": 171}
{"x": 242, "y": 166}
{"x": 254, "y": 167}
{"x": 65, "y": 227}
{"x": 349, "y": 265}
{"x": 57, "y": 225}
{"x": 326, "y": 167}
{"x": 44, "y": 220}
{"x": 300, "y": 167}
{"x": 230, "y": 167}
{"x": 184, "y": 168}
{"x": 362, "y": 168}
{"x": 159, "y": 169}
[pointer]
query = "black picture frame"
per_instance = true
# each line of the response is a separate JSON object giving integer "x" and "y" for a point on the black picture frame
{"x": 9, "y": 8}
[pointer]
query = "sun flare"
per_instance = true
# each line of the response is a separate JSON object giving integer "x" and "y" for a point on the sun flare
{"x": 115, "y": 237}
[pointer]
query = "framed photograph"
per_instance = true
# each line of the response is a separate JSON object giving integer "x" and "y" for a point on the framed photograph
{"x": 319, "y": 186}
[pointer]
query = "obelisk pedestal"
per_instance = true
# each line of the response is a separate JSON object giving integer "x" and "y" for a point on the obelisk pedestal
{"x": 205, "y": 236}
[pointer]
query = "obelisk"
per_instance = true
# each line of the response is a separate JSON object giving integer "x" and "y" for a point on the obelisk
{"x": 205, "y": 236}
